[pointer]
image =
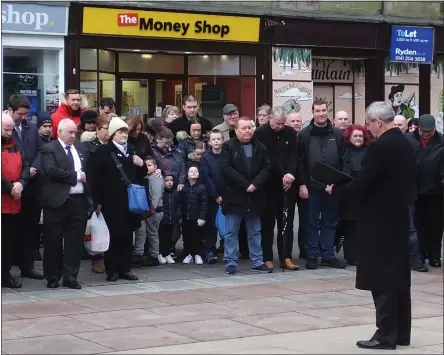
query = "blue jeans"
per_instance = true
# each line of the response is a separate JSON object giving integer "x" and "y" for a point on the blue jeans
{"x": 415, "y": 256}
{"x": 253, "y": 223}
{"x": 321, "y": 231}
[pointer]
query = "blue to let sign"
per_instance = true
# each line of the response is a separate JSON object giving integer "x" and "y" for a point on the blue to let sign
{"x": 412, "y": 44}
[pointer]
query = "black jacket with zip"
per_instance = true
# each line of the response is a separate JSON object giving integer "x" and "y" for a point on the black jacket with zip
{"x": 193, "y": 201}
{"x": 171, "y": 207}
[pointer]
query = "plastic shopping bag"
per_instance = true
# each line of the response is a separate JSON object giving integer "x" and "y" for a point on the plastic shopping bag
{"x": 99, "y": 235}
{"x": 221, "y": 223}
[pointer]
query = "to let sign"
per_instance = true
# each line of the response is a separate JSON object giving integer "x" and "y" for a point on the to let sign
{"x": 412, "y": 44}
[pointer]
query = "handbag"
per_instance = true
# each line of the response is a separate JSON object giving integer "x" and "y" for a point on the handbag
{"x": 137, "y": 198}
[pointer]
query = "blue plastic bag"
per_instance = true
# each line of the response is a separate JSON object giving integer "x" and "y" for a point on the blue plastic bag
{"x": 221, "y": 223}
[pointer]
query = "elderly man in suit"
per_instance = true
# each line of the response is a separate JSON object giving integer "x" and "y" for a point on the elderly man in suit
{"x": 386, "y": 188}
{"x": 65, "y": 209}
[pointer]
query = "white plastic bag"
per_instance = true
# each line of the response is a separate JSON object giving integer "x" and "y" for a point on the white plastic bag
{"x": 99, "y": 240}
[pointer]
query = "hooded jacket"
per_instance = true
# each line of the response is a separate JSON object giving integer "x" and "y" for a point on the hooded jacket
{"x": 65, "y": 111}
{"x": 14, "y": 169}
{"x": 171, "y": 161}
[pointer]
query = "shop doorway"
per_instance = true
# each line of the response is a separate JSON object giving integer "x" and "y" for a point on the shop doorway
{"x": 146, "y": 94}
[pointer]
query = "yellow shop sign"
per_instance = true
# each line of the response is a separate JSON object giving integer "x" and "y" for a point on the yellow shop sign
{"x": 106, "y": 21}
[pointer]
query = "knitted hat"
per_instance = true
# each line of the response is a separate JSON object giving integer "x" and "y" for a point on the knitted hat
{"x": 115, "y": 124}
{"x": 43, "y": 117}
{"x": 89, "y": 116}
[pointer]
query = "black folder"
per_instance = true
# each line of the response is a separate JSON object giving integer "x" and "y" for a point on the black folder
{"x": 327, "y": 175}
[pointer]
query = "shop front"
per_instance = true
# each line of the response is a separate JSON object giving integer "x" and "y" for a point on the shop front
{"x": 33, "y": 53}
{"x": 146, "y": 59}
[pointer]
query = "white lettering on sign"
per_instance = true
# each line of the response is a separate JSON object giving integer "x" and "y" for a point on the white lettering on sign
{"x": 399, "y": 51}
{"x": 407, "y": 34}
{"x": 37, "y": 19}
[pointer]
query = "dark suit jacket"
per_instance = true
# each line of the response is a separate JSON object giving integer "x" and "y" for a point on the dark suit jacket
{"x": 58, "y": 174}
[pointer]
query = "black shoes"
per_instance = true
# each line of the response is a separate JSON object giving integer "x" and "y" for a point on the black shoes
{"x": 32, "y": 274}
{"x": 374, "y": 344}
{"x": 352, "y": 262}
{"x": 128, "y": 276}
{"x": 311, "y": 264}
{"x": 11, "y": 283}
{"x": 333, "y": 263}
{"x": 72, "y": 284}
{"x": 136, "y": 261}
{"x": 52, "y": 284}
{"x": 149, "y": 261}
{"x": 112, "y": 277}
{"x": 419, "y": 266}
{"x": 435, "y": 263}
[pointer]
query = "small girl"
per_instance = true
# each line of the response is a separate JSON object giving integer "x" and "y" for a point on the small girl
{"x": 171, "y": 215}
{"x": 194, "y": 207}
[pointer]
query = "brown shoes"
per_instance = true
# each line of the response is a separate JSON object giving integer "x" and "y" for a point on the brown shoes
{"x": 269, "y": 264}
{"x": 289, "y": 265}
{"x": 98, "y": 266}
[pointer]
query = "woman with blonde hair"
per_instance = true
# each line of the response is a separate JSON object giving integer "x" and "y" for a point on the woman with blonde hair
{"x": 170, "y": 113}
{"x": 263, "y": 114}
{"x": 138, "y": 140}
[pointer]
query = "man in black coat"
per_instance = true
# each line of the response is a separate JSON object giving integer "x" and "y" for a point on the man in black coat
{"x": 190, "y": 109}
{"x": 65, "y": 206}
{"x": 245, "y": 167}
{"x": 385, "y": 186}
{"x": 280, "y": 141}
{"x": 428, "y": 145}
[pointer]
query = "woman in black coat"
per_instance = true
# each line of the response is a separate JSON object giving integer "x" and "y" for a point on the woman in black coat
{"x": 110, "y": 196}
{"x": 356, "y": 140}
{"x": 138, "y": 140}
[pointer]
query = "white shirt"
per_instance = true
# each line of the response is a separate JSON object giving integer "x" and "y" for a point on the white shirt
{"x": 78, "y": 189}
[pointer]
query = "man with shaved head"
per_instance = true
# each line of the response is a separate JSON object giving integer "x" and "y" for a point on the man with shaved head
{"x": 15, "y": 176}
{"x": 341, "y": 120}
{"x": 402, "y": 123}
{"x": 65, "y": 207}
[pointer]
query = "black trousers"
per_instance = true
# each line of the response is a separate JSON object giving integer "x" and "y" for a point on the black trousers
{"x": 393, "y": 316}
{"x": 285, "y": 242}
{"x": 117, "y": 258}
{"x": 340, "y": 231}
{"x": 64, "y": 230}
{"x": 302, "y": 211}
{"x": 349, "y": 228}
{"x": 29, "y": 235}
{"x": 210, "y": 229}
{"x": 165, "y": 237}
{"x": 429, "y": 225}
{"x": 192, "y": 237}
{"x": 10, "y": 225}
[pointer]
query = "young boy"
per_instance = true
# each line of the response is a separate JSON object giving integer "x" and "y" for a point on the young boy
{"x": 156, "y": 187}
{"x": 212, "y": 179}
{"x": 171, "y": 216}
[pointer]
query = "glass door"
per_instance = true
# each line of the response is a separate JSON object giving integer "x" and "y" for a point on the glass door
{"x": 135, "y": 97}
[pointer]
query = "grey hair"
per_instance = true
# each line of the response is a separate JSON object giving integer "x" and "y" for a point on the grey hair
{"x": 380, "y": 110}
{"x": 168, "y": 109}
{"x": 65, "y": 124}
{"x": 278, "y": 112}
{"x": 265, "y": 108}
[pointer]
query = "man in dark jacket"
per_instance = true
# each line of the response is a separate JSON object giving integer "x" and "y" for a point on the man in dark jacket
{"x": 245, "y": 169}
{"x": 280, "y": 141}
{"x": 429, "y": 150}
{"x": 44, "y": 125}
{"x": 15, "y": 175}
{"x": 319, "y": 141}
{"x": 190, "y": 109}
{"x": 27, "y": 138}
{"x": 384, "y": 185}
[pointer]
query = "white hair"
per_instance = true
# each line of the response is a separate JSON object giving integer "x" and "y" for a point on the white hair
{"x": 64, "y": 124}
{"x": 380, "y": 110}
{"x": 278, "y": 112}
{"x": 7, "y": 119}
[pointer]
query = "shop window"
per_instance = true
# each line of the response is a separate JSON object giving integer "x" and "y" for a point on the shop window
{"x": 151, "y": 63}
{"x": 33, "y": 73}
{"x": 402, "y": 88}
{"x": 88, "y": 87}
{"x": 107, "y": 84}
{"x": 134, "y": 97}
{"x": 248, "y": 65}
{"x": 213, "y": 65}
{"x": 106, "y": 61}
{"x": 88, "y": 59}
{"x": 437, "y": 94}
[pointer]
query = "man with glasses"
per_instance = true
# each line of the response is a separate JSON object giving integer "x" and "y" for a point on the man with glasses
{"x": 385, "y": 186}
{"x": 231, "y": 115}
{"x": 27, "y": 138}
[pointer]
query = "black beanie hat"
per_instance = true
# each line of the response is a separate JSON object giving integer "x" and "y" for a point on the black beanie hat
{"x": 89, "y": 116}
{"x": 43, "y": 117}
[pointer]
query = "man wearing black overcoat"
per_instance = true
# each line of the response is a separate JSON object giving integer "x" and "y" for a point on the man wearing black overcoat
{"x": 385, "y": 186}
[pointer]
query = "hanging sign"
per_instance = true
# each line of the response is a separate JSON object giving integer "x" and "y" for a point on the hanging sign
{"x": 412, "y": 44}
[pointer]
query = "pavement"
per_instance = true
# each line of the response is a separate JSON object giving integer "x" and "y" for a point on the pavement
{"x": 198, "y": 309}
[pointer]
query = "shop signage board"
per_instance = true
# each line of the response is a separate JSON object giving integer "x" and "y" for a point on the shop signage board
{"x": 31, "y": 18}
{"x": 412, "y": 44}
{"x": 121, "y": 22}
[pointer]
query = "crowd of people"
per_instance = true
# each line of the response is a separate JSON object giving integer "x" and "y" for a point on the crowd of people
{"x": 77, "y": 162}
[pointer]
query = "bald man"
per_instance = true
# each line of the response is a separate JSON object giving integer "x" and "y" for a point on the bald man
{"x": 341, "y": 120}
{"x": 294, "y": 120}
{"x": 402, "y": 123}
